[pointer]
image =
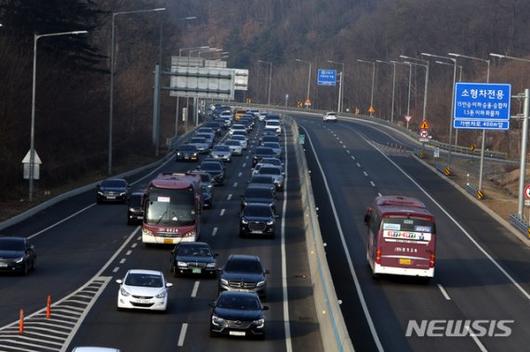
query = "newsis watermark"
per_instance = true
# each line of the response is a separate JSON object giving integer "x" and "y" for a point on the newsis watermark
{"x": 459, "y": 328}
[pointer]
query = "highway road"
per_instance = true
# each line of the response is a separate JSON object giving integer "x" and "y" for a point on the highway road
{"x": 481, "y": 271}
{"x": 83, "y": 248}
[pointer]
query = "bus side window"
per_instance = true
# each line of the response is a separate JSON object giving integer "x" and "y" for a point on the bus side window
{"x": 375, "y": 223}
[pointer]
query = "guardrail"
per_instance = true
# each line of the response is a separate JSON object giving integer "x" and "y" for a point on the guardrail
{"x": 335, "y": 336}
{"x": 520, "y": 224}
{"x": 413, "y": 134}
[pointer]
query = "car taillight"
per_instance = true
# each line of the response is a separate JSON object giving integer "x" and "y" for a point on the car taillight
{"x": 432, "y": 261}
{"x": 378, "y": 256}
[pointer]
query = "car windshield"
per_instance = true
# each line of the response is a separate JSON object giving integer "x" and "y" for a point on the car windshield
{"x": 114, "y": 183}
{"x": 264, "y": 151}
{"x": 239, "y": 302}
{"x": 135, "y": 200}
{"x": 271, "y": 161}
{"x": 265, "y": 170}
{"x": 11, "y": 244}
{"x": 198, "y": 140}
{"x": 170, "y": 207}
{"x": 258, "y": 211}
{"x": 194, "y": 251}
{"x": 204, "y": 135}
{"x": 221, "y": 148}
{"x": 188, "y": 148}
{"x": 244, "y": 265}
{"x": 233, "y": 143}
{"x": 261, "y": 179}
{"x": 211, "y": 167}
{"x": 258, "y": 193}
{"x": 273, "y": 123}
{"x": 144, "y": 280}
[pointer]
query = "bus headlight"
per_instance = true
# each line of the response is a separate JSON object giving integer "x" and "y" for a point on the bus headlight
{"x": 146, "y": 232}
{"x": 190, "y": 234}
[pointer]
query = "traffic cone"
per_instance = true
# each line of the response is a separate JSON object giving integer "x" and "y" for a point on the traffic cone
{"x": 21, "y": 322}
{"x": 49, "y": 307}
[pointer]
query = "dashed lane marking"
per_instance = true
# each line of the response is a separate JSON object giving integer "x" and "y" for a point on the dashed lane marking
{"x": 244, "y": 165}
{"x": 128, "y": 252}
{"x": 214, "y": 232}
{"x": 239, "y": 174}
{"x": 358, "y": 165}
{"x": 195, "y": 289}
{"x": 134, "y": 245}
{"x": 122, "y": 260}
{"x": 222, "y": 212}
{"x": 235, "y": 184}
{"x": 115, "y": 270}
{"x": 372, "y": 183}
{"x": 182, "y": 335}
{"x": 365, "y": 173}
{"x": 444, "y": 292}
{"x": 229, "y": 196}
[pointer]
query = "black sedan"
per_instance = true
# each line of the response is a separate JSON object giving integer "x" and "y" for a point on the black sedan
{"x": 135, "y": 211}
{"x": 112, "y": 190}
{"x": 237, "y": 314}
{"x": 17, "y": 255}
{"x": 262, "y": 181}
{"x": 258, "y": 195}
{"x": 262, "y": 152}
{"x": 257, "y": 220}
{"x": 193, "y": 258}
{"x": 187, "y": 152}
{"x": 215, "y": 169}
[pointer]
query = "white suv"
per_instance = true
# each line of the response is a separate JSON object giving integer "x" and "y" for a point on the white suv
{"x": 330, "y": 116}
{"x": 273, "y": 125}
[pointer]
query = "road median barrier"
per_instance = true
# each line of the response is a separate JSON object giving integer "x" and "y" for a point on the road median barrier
{"x": 335, "y": 336}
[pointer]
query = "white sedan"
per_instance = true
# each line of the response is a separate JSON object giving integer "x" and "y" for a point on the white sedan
{"x": 143, "y": 289}
{"x": 330, "y": 116}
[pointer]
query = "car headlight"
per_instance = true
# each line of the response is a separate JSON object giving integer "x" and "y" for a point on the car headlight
{"x": 162, "y": 294}
{"x": 178, "y": 153}
{"x": 131, "y": 209}
{"x": 210, "y": 265}
{"x": 260, "y": 323}
{"x": 122, "y": 193}
{"x": 218, "y": 321}
{"x": 124, "y": 292}
{"x": 147, "y": 232}
{"x": 244, "y": 221}
{"x": 270, "y": 222}
{"x": 260, "y": 283}
{"x": 183, "y": 264}
{"x": 190, "y": 234}
{"x": 19, "y": 260}
{"x": 224, "y": 282}
{"x": 100, "y": 193}
{"x": 194, "y": 154}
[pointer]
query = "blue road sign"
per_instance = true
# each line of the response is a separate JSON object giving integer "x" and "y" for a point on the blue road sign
{"x": 482, "y": 106}
{"x": 326, "y": 77}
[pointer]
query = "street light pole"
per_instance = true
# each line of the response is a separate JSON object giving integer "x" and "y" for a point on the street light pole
{"x": 373, "y": 84}
{"x": 393, "y": 63}
{"x": 111, "y": 100}
{"x": 425, "y": 64}
{"x": 308, "y": 80}
{"x": 36, "y": 38}
{"x": 340, "y": 100}
{"x": 487, "y": 62}
{"x": 270, "y": 80}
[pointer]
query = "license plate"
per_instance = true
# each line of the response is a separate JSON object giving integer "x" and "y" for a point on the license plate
{"x": 256, "y": 232}
{"x": 237, "y": 333}
{"x": 111, "y": 197}
{"x": 405, "y": 261}
{"x": 142, "y": 301}
{"x": 3, "y": 265}
{"x": 196, "y": 270}
{"x": 168, "y": 241}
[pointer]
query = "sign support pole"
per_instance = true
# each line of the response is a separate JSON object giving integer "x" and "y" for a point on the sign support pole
{"x": 481, "y": 171}
{"x": 522, "y": 165}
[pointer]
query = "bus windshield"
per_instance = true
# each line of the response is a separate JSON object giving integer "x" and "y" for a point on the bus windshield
{"x": 170, "y": 207}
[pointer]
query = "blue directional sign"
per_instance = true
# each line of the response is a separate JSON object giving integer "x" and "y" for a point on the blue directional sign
{"x": 482, "y": 106}
{"x": 326, "y": 77}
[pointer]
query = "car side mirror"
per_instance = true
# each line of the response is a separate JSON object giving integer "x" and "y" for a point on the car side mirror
{"x": 169, "y": 284}
{"x": 265, "y": 308}
{"x": 119, "y": 281}
{"x": 211, "y": 304}
{"x": 266, "y": 272}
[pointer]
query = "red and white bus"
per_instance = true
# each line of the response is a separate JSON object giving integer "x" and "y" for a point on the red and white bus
{"x": 401, "y": 237}
{"x": 172, "y": 207}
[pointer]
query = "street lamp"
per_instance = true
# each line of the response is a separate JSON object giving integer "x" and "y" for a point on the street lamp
{"x": 371, "y": 109}
{"x": 460, "y": 67}
{"x": 487, "y": 62}
{"x": 393, "y": 63}
{"x": 36, "y": 38}
{"x": 308, "y": 80}
{"x": 524, "y": 137}
{"x": 410, "y": 82}
{"x": 270, "y": 79}
{"x": 424, "y": 64}
{"x": 341, "y": 80}
{"x": 113, "y": 44}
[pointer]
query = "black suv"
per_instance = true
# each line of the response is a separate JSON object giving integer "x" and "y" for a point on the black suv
{"x": 112, "y": 190}
{"x": 237, "y": 314}
{"x": 17, "y": 255}
{"x": 262, "y": 152}
{"x": 216, "y": 170}
{"x": 187, "y": 152}
{"x": 257, "y": 219}
{"x": 258, "y": 195}
{"x": 243, "y": 273}
{"x": 193, "y": 258}
{"x": 135, "y": 211}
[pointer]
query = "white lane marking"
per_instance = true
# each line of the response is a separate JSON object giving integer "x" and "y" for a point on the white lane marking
{"x": 352, "y": 157}
{"x": 286, "y": 320}
{"x": 195, "y": 289}
{"x": 111, "y": 259}
{"x": 244, "y": 165}
{"x": 222, "y": 212}
{"x": 362, "y": 300}
{"x": 60, "y": 221}
{"x": 122, "y": 260}
{"x": 444, "y": 292}
{"x": 214, "y": 232}
{"x": 139, "y": 238}
{"x": 340, "y": 142}
{"x": 246, "y": 157}
{"x": 477, "y": 341}
{"x": 239, "y": 174}
{"x": 344, "y": 146}
{"x": 128, "y": 252}
{"x": 134, "y": 245}
{"x": 115, "y": 270}
{"x": 379, "y": 194}
{"x": 358, "y": 165}
{"x": 235, "y": 184}
{"x": 480, "y": 248}
{"x": 229, "y": 196}
{"x": 372, "y": 183}
{"x": 182, "y": 335}
{"x": 347, "y": 151}
{"x": 365, "y": 173}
